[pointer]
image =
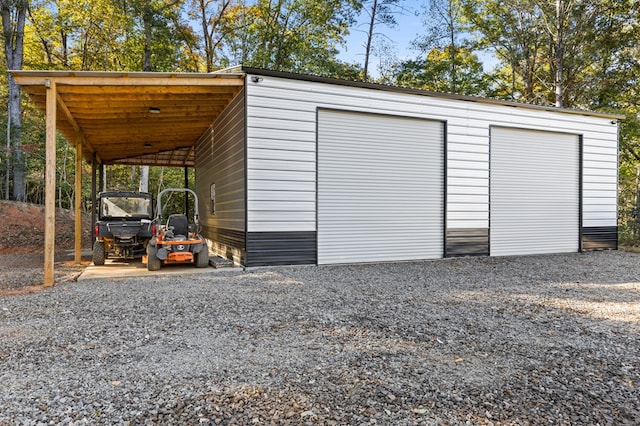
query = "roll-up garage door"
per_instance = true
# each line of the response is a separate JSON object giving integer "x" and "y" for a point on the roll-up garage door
{"x": 535, "y": 192}
{"x": 380, "y": 188}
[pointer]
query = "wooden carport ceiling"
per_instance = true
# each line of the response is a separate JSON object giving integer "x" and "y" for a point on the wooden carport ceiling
{"x": 111, "y": 113}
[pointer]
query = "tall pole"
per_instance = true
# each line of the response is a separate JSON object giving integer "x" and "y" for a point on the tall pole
{"x": 93, "y": 193}
{"x": 559, "y": 50}
{"x": 8, "y": 149}
{"x": 50, "y": 185}
{"x": 77, "y": 256}
{"x": 186, "y": 195}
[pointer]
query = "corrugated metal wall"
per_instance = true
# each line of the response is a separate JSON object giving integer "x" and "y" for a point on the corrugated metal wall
{"x": 220, "y": 160}
{"x": 380, "y": 188}
{"x": 535, "y": 192}
{"x": 281, "y": 149}
{"x": 599, "y": 191}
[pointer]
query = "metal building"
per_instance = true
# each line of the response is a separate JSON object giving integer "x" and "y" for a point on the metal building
{"x": 294, "y": 169}
{"x": 306, "y": 170}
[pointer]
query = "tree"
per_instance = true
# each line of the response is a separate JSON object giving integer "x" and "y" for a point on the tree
{"x": 157, "y": 39}
{"x": 434, "y": 72}
{"x": 551, "y": 47}
{"x": 380, "y": 12}
{"x": 514, "y": 32}
{"x": 77, "y": 34}
{"x": 443, "y": 21}
{"x": 212, "y": 14}
{"x": 288, "y": 35}
{"x": 14, "y": 14}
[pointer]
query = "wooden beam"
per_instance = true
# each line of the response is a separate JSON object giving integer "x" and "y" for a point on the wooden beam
{"x": 148, "y": 99}
{"x": 157, "y": 89}
{"x": 50, "y": 186}
{"x": 132, "y": 116}
{"x": 110, "y": 111}
{"x": 138, "y": 106}
{"x": 77, "y": 256}
{"x": 161, "y": 80}
{"x": 94, "y": 171}
{"x": 82, "y": 140}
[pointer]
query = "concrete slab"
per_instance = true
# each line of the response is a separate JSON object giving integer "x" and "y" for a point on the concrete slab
{"x": 118, "y": 268}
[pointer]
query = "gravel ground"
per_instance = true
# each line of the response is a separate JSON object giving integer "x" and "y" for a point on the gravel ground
{"x": 523, "y": 340}
{"x": 24, "y": 272}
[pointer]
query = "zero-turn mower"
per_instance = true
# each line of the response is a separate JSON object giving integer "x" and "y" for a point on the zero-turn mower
{"x": 177, "y": 240}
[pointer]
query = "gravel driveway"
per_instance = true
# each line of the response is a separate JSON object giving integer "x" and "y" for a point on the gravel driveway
{"x": 522, "y": 340}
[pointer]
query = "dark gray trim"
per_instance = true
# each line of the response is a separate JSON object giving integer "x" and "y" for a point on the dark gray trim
{"x": 229, "y": 237}
{"x": 599, "y": 238}
{"x": 580, "y": 191}
{"x": 489, "y": 220}
{"x": 244, "y": 166}
{"x": 317, "y": 178}
{"x": 445, "y": 185}
{"x": 467, "y": 242}
{"x": 281, "y": 248}
{"x": 442, "y": 95}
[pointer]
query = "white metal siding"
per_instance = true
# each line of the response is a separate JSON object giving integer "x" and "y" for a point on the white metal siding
{"x": 380, "y": 188}
{"x": 281, "y": 122}
{"x": 535, "y": 192}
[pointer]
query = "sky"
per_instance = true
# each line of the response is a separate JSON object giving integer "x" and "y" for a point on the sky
{"x": 410, "y": 26}
{"x": 400, "y": 37}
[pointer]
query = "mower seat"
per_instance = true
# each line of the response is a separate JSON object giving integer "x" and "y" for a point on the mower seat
{"x": 180, "y": 224}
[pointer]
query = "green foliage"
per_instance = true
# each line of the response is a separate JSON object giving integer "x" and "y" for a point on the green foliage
{"x": 288, "y": 35}
{"x": 433, "y": 72}
{"x": 110, "y": 35}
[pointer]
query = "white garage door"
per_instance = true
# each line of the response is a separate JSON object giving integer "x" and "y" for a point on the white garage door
{"x": 535, "y": 192}
{"x": 380, "y": 188}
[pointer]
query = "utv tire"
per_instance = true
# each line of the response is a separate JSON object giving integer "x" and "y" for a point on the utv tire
{"x": 99, "y": 254}
{"x": 202, "y": 258}
{"x": 153, "y": 263}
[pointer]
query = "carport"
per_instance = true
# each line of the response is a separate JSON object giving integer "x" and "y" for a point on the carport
{"x": 122, "y": 118}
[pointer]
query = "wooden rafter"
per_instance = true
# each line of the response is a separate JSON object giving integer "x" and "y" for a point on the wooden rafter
{"x": 112, "y": 114}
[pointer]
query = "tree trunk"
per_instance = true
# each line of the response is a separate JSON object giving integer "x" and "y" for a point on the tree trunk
{"x": 367, "y": 52}
{"x": 147, "y": 22}
{"x": 206, "y": 35}
{"x": 144, "y": 179}
{"x": 559, "y": 54}
{"x": 452, "y": 40}
{"x": 13, "y": 20}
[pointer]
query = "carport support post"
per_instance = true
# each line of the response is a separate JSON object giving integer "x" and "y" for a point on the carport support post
{"x": 93, "y": 195}
{"x": 77, "y": 257}
{"x": 50, "y": 185}
{"x": 186, "y": 197}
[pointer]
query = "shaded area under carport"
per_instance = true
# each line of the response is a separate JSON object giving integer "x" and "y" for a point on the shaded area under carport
{"x": 127, "y": 268}
{"x": 121, "y": 118}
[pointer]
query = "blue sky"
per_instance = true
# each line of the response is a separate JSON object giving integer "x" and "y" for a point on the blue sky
{"x": 410, "y": 26}
{"x": 400, "y": 37}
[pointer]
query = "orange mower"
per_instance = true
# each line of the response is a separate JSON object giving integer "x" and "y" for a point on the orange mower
{"x": 178, "y": 240}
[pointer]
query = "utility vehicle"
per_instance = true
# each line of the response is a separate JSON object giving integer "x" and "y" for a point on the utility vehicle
{"x": 123, "y": 228}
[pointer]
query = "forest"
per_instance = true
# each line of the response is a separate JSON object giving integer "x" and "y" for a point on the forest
{"x": 579, "y": 54}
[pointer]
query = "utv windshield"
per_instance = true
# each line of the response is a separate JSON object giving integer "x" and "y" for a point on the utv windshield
{"x": 126, "y": 207}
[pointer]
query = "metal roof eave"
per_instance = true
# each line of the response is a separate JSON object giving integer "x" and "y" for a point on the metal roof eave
{"x": 421, "y": 92}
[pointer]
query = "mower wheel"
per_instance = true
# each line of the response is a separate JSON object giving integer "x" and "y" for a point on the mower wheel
{"x": 202, "y": 258}
{"x": 153, "y": 263}
{"x": 99, "y": 254}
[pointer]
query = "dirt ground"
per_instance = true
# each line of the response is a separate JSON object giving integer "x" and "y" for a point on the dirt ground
{"x": 22, "y": 242}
